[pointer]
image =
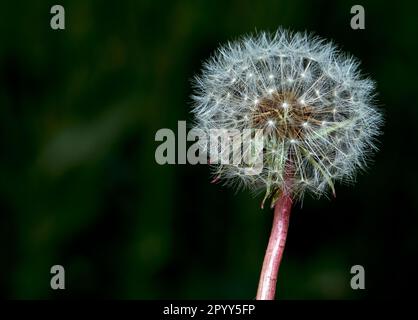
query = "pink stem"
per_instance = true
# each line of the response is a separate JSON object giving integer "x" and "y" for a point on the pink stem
{"x": 268, "y": 278}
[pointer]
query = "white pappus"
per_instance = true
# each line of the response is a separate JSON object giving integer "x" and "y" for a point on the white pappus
{"x": 316, "y": 111}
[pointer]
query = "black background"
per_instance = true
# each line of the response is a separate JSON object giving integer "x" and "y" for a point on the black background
{"x": 79, "y": 185}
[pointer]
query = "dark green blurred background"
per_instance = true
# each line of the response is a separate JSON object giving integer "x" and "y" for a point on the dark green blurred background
{"x": 79, "y": 185}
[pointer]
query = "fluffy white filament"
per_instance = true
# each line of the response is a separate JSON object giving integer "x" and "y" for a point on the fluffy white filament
{"x": 315, "y": 109}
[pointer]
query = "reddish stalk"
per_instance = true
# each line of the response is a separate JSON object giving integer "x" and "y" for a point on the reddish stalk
{"x": 268, "y": 278}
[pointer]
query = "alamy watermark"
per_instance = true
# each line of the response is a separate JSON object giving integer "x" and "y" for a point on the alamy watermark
{"x": 57, "y": 21}
{"x": 358, "y": 20}
{"x": 358, "y": 280}
{"x": 58, "y": 278}
{"x": 212, "y": 146}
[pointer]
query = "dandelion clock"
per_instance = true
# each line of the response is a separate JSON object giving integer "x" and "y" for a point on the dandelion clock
{"x": 316, "y": 114}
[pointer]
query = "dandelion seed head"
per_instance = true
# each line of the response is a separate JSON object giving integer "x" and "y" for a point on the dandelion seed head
{"x": 319, "y": 120}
